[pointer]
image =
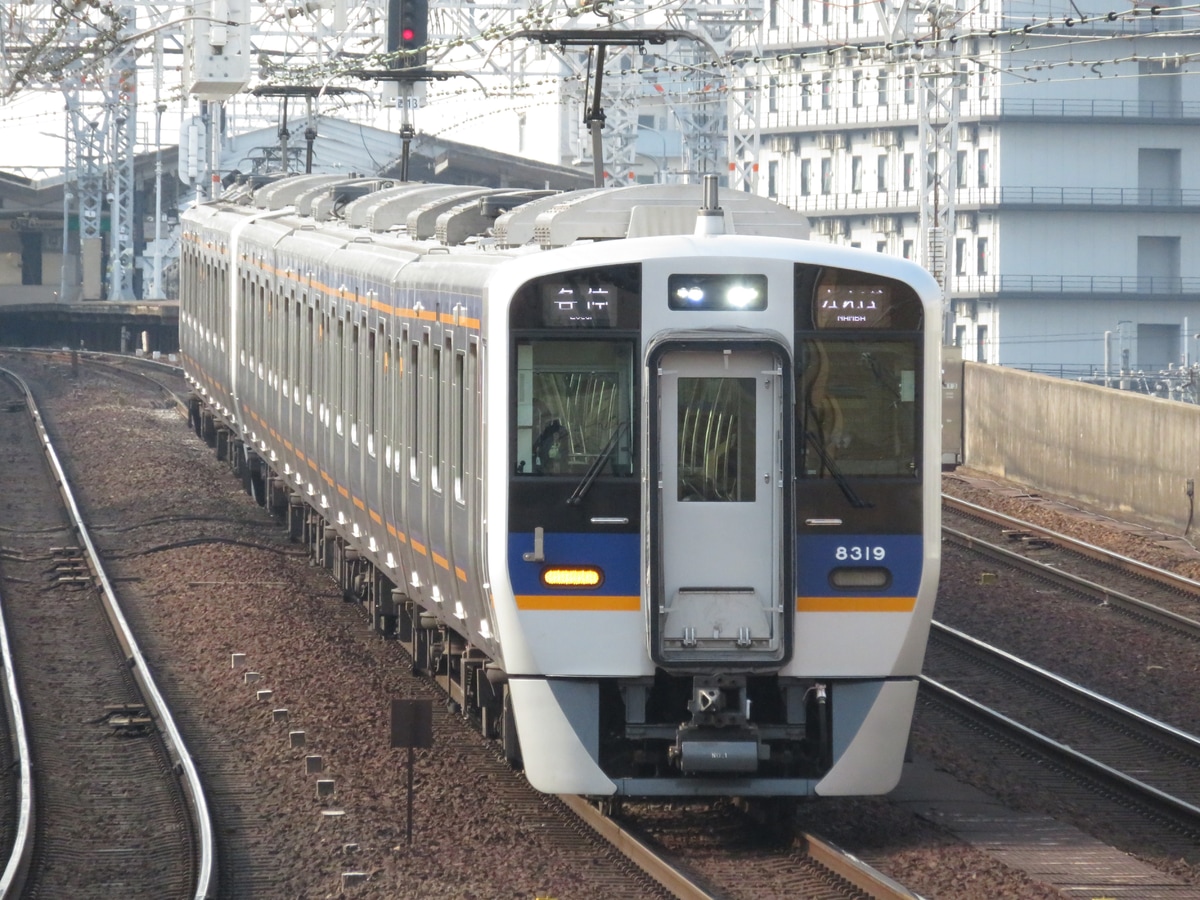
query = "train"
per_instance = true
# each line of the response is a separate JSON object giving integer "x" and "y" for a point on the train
{"x": 644, "y": 477}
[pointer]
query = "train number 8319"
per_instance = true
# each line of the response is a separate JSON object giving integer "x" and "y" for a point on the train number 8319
{"x": 865, "y": 553}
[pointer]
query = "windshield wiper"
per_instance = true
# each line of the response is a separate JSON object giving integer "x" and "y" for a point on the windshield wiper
{"x": 594, "y": 469}
{"x": 856, "y": 501}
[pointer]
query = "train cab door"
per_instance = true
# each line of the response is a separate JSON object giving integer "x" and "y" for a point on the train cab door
{"x": 719, "y": 444}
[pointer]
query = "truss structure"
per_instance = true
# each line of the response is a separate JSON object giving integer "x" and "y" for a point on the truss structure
{"x": 99, "y": 56}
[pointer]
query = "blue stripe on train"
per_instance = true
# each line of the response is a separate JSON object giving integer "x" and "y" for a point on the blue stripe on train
{"x": 818, "y": 554}
{"x": 617, "y": 555}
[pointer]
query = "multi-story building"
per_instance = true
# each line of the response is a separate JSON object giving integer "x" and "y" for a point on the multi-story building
{"x": 1074, "y": 165}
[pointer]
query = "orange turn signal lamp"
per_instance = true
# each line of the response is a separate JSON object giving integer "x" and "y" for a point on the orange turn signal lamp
{"x": 572, "y": 576}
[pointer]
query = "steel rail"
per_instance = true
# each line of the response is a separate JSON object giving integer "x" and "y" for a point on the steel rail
{"x": 849, "y": 868}
{"x": 12, "y": 881}
{"x": 1056, "y": 750}
{"x": 874, "y": 884}
{"x": 182, "y": 759}
{"x": 1083, "y": 548}
{"x": 1131, "y": 605}
{"x": 637, "y": 851}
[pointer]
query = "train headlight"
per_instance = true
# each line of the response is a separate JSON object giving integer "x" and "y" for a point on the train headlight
{"x": 690, "y": 295}
{"x": 572, "y": 577}
{"x": 741, "y": 296}
{"x": 717, "y": 292}
{"x": 860, "y": 577}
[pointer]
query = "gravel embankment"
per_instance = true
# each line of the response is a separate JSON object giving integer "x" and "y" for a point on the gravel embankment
{"x": 216, "y": 577}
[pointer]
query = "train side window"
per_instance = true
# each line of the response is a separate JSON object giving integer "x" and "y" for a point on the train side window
{"x": 386, "y": 394}
{"x": 414, "y": 410}
{"x": 309, "y": 367}
{"x": 260, "y": 327}
{"x": 398, "y": 402}
{"x": 244, "y": 318}
{"x": 574, "y": 407}
{"x": 271, "y": 337}
{"x": 435, "y": 418}
{"x": 285, "y": 344}
{"x": 369, "y": 400}
{"x": 294, "y": 353}
{"x": 459, "y": 419}
{"x": 337, "y": 361}
{"x": 354, "y": 380}
{"x": 321, "y": 373}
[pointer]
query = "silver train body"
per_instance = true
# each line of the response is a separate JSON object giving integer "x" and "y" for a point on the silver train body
{"x": 651, "y": 486}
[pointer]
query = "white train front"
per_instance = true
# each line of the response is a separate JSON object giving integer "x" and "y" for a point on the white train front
{"x": 650, "y": 486}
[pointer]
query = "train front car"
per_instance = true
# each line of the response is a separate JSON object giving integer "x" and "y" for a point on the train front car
{"x": 719, "y": 477}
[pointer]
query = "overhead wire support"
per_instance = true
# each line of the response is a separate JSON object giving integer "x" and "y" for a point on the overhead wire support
{"x": 597, "y": 41}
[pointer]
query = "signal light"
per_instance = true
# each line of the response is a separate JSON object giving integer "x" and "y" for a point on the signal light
{"x": 407, "y": 33}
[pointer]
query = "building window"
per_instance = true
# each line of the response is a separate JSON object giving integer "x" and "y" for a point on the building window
{"x": 881, "y": 80}
{"x": 909, "y": 173}
{"x": 960, "y": 335}
{"x": 856, "y": 86}
{"x": 881, "y": 246}
{"x": 826, "y": 90}
{"x": 960, "y": 169}
{"x": 984, "y": 163}
{"x": 825, "y": 12}
{"x": 827, "y": 176}
{"x": 960, "y": 256}
{"x": 881, "y": 173}
{"x": 856, "y": 10}
{"x": 907, "y": 249}
{"x": 856, "y": 167}
{"x": 806, "y": 13}
{"x": 805, "y": 91}
{"x": 910, "y": 82}
{"x": 773, "y": 94}
{"x": 773, "y": 178}
{"x": 805, "y": 177}
{"x": 981, "y": 247}
{"x": 773, "y": 12}
{"x": 981, "y": 339}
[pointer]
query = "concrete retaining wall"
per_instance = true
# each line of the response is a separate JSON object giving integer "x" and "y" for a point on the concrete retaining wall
{"x": 1111, "y": 449}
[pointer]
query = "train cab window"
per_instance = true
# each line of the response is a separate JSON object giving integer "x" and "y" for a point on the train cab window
{"x": 859, "y": 339}
{"x": 574, "y": 380}
{"x": 857, "y": 409}
{"x": 574, "y": 407}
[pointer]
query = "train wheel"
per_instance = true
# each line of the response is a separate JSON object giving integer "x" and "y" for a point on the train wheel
{"x": 508, "y": 733}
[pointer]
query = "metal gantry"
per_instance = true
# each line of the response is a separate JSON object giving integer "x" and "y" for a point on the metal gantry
{"x": 714, "y": 96}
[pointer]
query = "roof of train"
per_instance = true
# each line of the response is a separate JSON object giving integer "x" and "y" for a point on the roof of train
{"x": 453, "y": 215}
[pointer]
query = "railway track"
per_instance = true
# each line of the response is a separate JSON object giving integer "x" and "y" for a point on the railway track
{"x": 250, "y": 862}
{"x": 717, "y": 854}
{"x": 1136, "y": 589}
{"x": 1125, "y": 750}
{"x": 1112, "y": 748}
{"x": 109, "y": 802}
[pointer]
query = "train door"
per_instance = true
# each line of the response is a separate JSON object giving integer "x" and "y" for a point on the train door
{"x": 718, "y": 541}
